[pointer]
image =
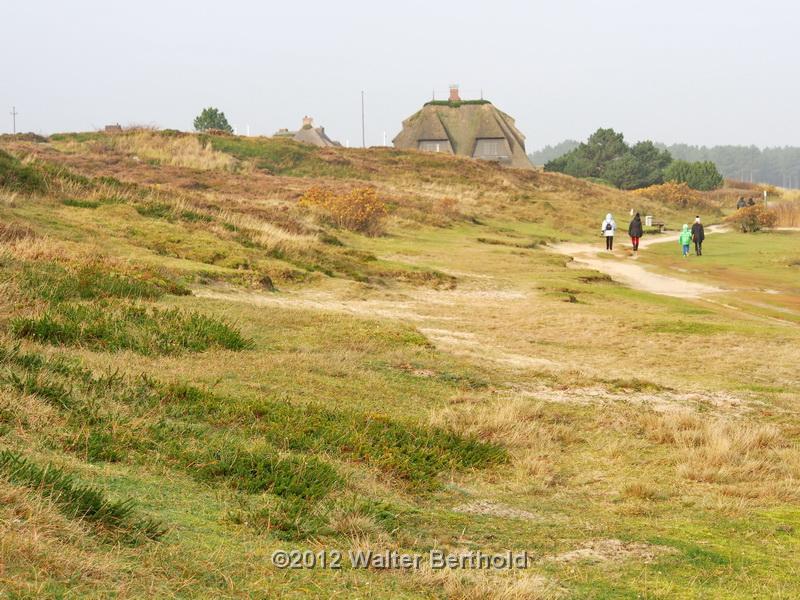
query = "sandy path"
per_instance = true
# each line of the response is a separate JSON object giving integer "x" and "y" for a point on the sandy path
{"x": 635, "y": 275}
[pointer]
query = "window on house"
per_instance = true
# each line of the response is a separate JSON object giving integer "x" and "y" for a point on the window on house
{"x": 433, "y": 146}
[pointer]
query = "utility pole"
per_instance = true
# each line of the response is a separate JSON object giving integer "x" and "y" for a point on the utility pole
{"x": 14, "y": 114}
{"x": 363, "y": 135}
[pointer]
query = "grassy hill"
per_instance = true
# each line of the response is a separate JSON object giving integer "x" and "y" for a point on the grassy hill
{"x": 197, "y": 368}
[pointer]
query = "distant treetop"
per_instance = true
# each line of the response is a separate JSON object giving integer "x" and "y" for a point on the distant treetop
{"x": 607, "y": 157}
{"x": 212, "y": 118}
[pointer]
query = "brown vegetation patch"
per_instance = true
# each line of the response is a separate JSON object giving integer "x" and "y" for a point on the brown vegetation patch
{"x": 723, "y": 451}
{"x": 11, "y": 232}
{"x": 612, "y": 550}
{"x": 495, "y": 509}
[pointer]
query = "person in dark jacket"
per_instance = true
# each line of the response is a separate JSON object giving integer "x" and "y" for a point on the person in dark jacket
{"x": 635, "y": 231}
{"x": 751, "y": 202}
{"x": 698, "y": 235}
{"x": 741, "y": 203}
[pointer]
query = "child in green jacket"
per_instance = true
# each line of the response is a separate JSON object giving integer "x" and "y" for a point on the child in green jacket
{"x": 684, "y": 239}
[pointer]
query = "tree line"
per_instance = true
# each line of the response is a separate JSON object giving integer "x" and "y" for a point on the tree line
{"x": 777, "y": 166}
{"x": 606, "y": 157}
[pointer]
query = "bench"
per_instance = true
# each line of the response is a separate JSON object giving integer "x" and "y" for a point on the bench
{"x": 648, "y": 222}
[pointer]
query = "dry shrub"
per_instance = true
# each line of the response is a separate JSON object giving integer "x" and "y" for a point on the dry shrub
{"x": 446, "y": 209}
{"x": 787, "y": 214}
{"x": 515, "y": 422}
{"x": 753, "y": 218}
{"x": 179, "y": 151}
{"x": 8, "y": 198}
{"x": 39, "y": 543}
{"x": 674, "y": 194}
{"x": 479, "y": 584}
{"x": 47, "y": 249}
{"x": 265, "y": 232}
{"x": 641, "y": 491}
{"x": 359, "y": 210}
{"x": 11, "y": 232}
{"x": 725, "y": 451}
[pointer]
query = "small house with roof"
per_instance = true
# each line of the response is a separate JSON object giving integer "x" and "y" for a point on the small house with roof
{"x": 308, "y": 134}
{"x": 474, "y": 128}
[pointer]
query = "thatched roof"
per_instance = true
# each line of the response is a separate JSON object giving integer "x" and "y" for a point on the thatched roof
{"x": 314, "y": 135}
{"x": 308, "y": 134}
{"x": 463, "y": 124}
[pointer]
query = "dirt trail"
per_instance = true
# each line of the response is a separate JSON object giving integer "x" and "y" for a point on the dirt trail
{"x": 635, "y": 275}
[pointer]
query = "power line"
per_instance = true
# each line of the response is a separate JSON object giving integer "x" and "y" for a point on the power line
{"x": 363, "y": 135}
{"x": 14, "y": 114}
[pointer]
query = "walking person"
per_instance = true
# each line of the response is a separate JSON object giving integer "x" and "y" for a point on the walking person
{"x": 684, "y": 239}
{"x": 741, "y": 203}
{"x": 635, "y": 230}
{"x": 607, "y": 230}
{"x": 698, "y": 235}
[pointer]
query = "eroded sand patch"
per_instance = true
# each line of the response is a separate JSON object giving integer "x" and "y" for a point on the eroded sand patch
{"x": 612, "y": 550}
{"x": 495, "y": 509}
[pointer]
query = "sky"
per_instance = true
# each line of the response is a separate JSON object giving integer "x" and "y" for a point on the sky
{"x": 699, "y": 72}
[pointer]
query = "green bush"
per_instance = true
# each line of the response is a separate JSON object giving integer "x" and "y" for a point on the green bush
{"x": 702, "y": 176}
{"x": 606, "y": 156}
{"x": 262, "y": 470}
{"x": 212, "y": 118}
{"x": 18, "y": 177}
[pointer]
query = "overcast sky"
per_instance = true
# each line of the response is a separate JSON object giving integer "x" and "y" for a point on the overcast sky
{"x": 699, "y": 71}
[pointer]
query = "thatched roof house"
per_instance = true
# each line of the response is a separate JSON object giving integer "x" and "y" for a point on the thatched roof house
{"x": 473, "y": 128}
{"x": 308, "y": 134}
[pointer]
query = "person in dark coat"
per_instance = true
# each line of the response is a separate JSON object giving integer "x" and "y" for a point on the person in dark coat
{"x": 751, "y": 202}
{"x": 741, "y": 203}
{"x": 636, "y": 231}
{"x": 698, "y": 235}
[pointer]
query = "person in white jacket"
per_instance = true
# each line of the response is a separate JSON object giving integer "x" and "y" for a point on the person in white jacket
{"x": 607, "y": 230}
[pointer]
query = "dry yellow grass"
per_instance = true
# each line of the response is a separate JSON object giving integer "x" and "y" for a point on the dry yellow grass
{"x": 266, "y": 233}
{"x": 179, "y": 151}
{"x": 727, "y": 451}
{"x": 487, "y": 585}
{"x": 37, "y": 539}
{"x": 516, "y": 422}
{"x": 787, "y": 213}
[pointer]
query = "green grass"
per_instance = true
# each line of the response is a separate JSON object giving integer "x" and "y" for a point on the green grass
{"x": 257, "y": 470}
{"x": 414, "y": 454}
{"x": 764, "y": 259}
{"x": 282, "y": 157}
{"x": 55, "y": 283}
{"x": 77, "y": 500}
{"x": 155, "y": 210}
{"x": 686, "y": 328}
{"x": 18, "y": 177}
{"x": 369, "y": 410}
{"x": 80, "y": 203}
{"x": 111, "y": 328}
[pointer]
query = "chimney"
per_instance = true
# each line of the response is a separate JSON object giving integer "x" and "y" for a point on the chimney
{"x": 308, "y": 122}
{"x": 454, "y": 97}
